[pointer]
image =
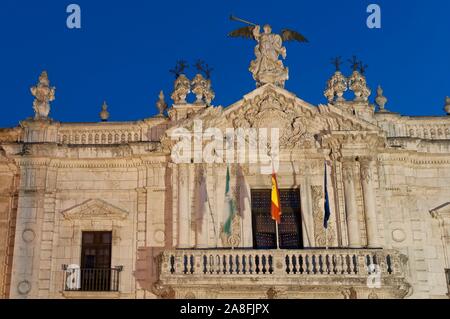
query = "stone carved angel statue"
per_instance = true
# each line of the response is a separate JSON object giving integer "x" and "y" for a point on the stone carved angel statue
{"x": 267, "y": 67}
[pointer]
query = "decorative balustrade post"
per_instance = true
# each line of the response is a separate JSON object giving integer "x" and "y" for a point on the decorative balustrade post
{"x": 369, "y": 202}
{"x": 354, "y": 235}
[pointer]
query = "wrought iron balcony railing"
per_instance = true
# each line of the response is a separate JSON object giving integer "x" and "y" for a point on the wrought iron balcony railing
{"x": 92, "y": 280}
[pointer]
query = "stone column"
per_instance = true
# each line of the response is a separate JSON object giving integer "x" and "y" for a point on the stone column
{"x": 184, "y": 221}
{"x": 369, "y": 202}
{"x": 354, "y": 235}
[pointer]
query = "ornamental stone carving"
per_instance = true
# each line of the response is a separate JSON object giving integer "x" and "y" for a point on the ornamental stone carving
{"x": 381, "y": 100}
{"x": 182, "y": 88}
{"x": 322, "y": 238}
{"x": 44, "y": 94}
{"x": 336, "y": 87}
{"x": 267, "y": 67}
{"x": 234, "y": 239}
{"x": 294, "y": 123}
{"x": 201, "y": 87}
{"x": 94, "y": 209}
{"x": 161, "y": 104}
{"x": 358, "y": 84}
{"x": 347, "y": 169}
{"x": 366, "y": 169}
{"x": 104, "y": 114}
{"x": 163, "y": 291}
{"x": 447, "y": 105}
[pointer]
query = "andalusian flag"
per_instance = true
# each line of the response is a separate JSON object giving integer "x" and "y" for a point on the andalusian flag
{"x": 229, "y": 207}
{"x": 276, "y": 209}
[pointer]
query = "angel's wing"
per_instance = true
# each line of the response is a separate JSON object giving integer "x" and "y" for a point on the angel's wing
{"x": 290, "y": 35}
{"x": 245, "y": 32}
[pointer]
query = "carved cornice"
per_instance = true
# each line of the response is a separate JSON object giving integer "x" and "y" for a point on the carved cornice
{"x": 441, "y": 213}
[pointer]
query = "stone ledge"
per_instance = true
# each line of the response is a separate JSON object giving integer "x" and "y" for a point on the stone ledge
{"x": 91, "y": 295}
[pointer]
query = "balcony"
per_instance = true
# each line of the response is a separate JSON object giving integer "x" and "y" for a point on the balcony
{"x": 91, "y": 280}
{"x": 348, "y": 273}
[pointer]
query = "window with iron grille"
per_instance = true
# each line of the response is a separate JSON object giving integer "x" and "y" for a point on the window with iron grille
{"x": 264, "y": 230}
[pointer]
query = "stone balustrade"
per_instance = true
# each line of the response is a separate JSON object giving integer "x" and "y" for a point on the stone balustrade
{"x": 428, "y": 128}
{"x": 209, "y": 263}
{"x": 317, "y": 269}
{"x": 95, "y": 137}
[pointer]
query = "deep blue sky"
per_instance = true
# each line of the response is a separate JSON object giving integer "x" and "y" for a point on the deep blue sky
{"x": 124, "y": 50}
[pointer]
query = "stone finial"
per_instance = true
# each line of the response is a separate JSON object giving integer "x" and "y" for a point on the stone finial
{"x": 381, "y": 100}
{"x": 358, "y": 84}
{"x": 447, "y": 105}
{"x": 336, "y": 87}
{"x": 44, "y": 94}
{"x": 182, "y": 88}
{"x": 104, "y": 114}
{"x": 201, "y": 87}
{"x": 161, "y": 104}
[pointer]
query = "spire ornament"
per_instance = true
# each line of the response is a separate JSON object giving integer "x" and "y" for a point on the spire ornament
{"x": 44, "y": 94}
{"x": 337, "y": 85}
{"x": 381, "y": 100}
{"x": 161, "y": 104}
{"x": 104, "y": 114}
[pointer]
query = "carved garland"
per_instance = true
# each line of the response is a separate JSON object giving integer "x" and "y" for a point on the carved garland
{"x": 318, "y": 216}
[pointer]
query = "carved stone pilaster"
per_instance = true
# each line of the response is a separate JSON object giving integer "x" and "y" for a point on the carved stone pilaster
{"x": 442, "y": 215}
{"x": 318, "y": 201}
{"x": 354, "y": 234}
{"x": 184, "y": 221}
{"x": 366, "y": 165}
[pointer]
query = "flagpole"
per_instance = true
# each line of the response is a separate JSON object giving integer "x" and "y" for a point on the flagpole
{"x": 276, "y": 222}
{"x": 278, "y": 237}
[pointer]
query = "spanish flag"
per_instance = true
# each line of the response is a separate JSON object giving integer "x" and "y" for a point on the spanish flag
{"x": 276, "y": 209}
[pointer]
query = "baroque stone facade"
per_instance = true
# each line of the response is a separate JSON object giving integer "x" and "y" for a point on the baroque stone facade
{"x": 389, "y": 191}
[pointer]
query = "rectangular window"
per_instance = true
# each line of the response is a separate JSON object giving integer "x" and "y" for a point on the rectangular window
{"x": 264, "y": 229}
